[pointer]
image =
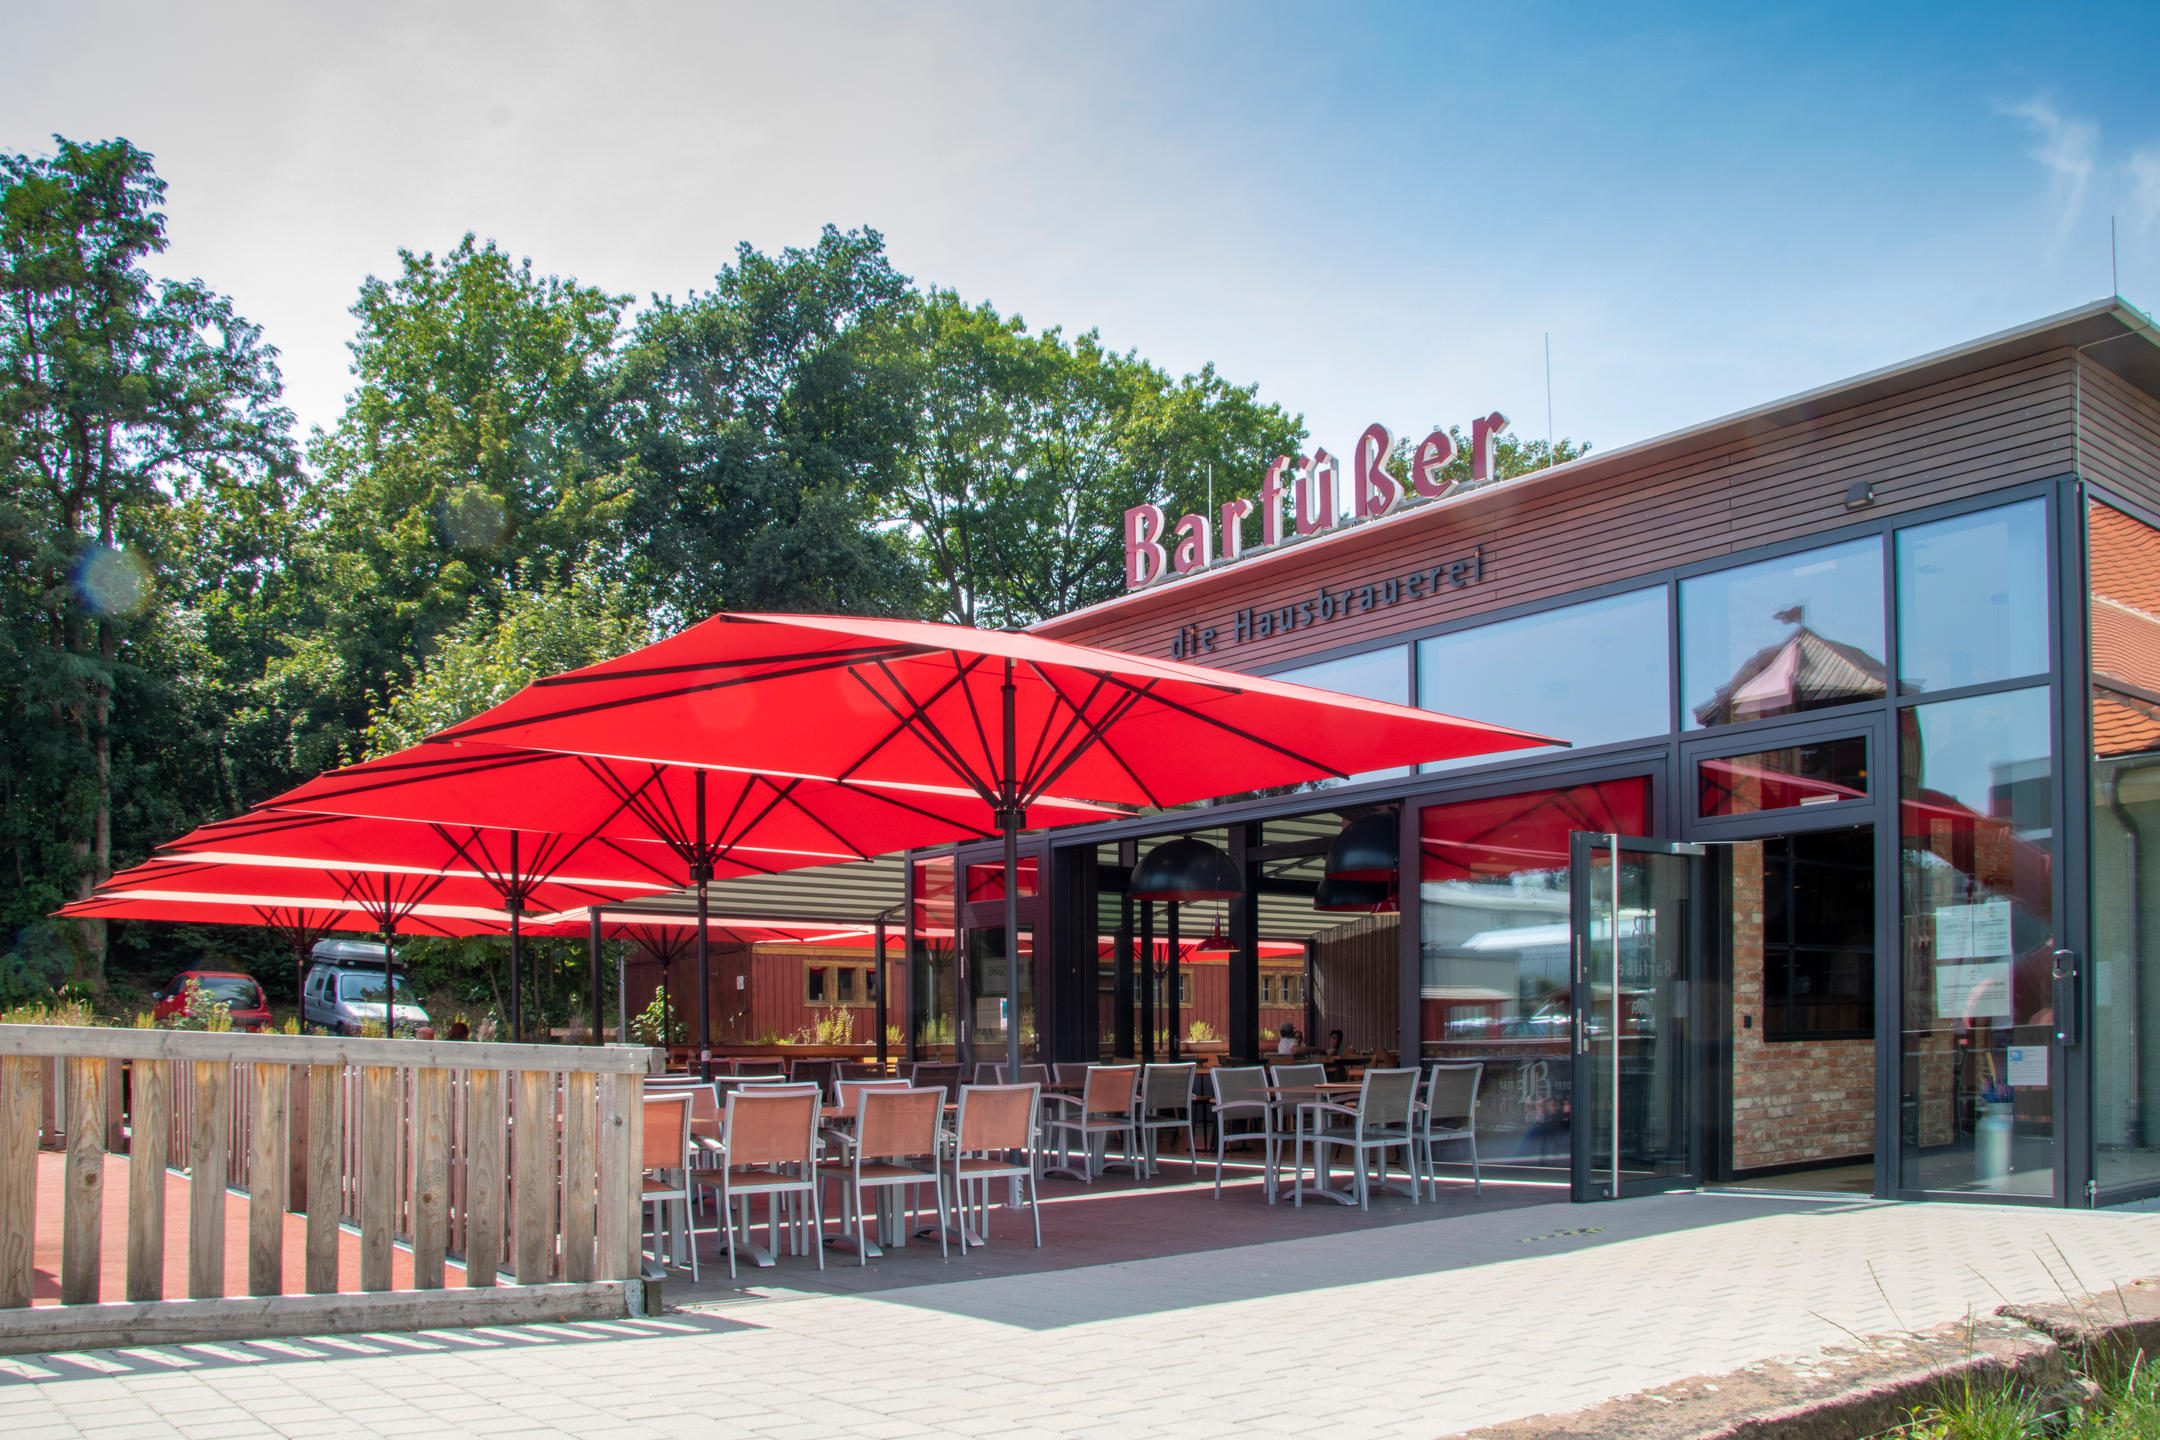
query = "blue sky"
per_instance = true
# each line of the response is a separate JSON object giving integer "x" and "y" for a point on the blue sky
{"x": 1373, "y": 212}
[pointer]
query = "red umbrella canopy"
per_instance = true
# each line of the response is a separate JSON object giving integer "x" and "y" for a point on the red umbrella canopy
{"x": 201, "y": 894}
{"x": 387, "y": 895}
{"x": 900, "y": 701}
{"x": 517, "y": 863}
{"x": 754, "y": 823}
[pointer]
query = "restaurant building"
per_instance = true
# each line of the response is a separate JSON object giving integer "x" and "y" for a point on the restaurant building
{"x": 1846, "y": 878}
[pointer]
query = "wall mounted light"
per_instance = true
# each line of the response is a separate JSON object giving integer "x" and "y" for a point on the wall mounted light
{"x": 1860, "y": 494}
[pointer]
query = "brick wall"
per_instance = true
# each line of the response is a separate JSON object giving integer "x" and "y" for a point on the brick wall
{"x": 1793, "y": 1101}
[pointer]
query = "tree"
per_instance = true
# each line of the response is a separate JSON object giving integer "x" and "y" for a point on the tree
{"x": 763, "y": 434}
{"x": 467, "y": 466}
{"x": 127, "y": 405}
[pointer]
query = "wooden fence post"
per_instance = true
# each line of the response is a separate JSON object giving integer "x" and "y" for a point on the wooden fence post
{"x": 483, "y": 1176}
{"x": 150, "y": 1102}
{"x": 206, "y": 1180}
{"x": 533, "y": 1140}
{"x": 82, "y": 1203}
{"x": 326, "y": 1199}
{"x": 22, "y": 1102}
{"x": 621, "y": 1210}
{"x": 431, "y": 1176}
{"x": 378, "y": 1173}
{"x": 266, "y": 1182}
{"x": 578, "y": 1162}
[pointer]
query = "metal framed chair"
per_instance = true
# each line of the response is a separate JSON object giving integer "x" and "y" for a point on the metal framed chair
{"x": 761, "y": 1067}
{"x": 770, "y": 1148}
{"x": 1448, "y": 1116}
{"x": 1166, "y": 1103}
{"x": 812, "y": 1072}
{"x": 1071, "y": 1074}
{"x": 1382, "y": 1120}
{"x": 987, "y": 1073}
{"x": 1106, "y": 1106}
{"x": 1242, "y": 1098}
{"x": 995, "y": 1123}
{"x": 899, "y": 1138}
{"x": 943, "y": 1074}
{"x": 666, "y": 1163}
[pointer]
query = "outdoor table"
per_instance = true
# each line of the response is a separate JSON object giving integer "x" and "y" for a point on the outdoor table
{"x": 1308, "y": 1100}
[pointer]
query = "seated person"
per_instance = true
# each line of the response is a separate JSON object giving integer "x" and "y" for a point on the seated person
{"x": 1288, "y": 1043}
{"x": 1334, "y": 1044}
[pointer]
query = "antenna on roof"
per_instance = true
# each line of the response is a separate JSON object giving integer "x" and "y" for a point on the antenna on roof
{"x": 1548, "y": 401}
{"x": 2114, "y": 269}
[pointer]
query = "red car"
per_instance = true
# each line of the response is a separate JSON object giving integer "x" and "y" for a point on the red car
{"x": 250, "y": 1010}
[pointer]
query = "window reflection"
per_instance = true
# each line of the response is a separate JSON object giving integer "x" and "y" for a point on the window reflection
{"x": 933, "y": 963}
{"x": 1798, "y": 633}
{"x": 1494, "y": 979}
{"x": 1822, "y": 773}
{"x": 1976, "y": 791}
{"x": 1589, "y": 674}
{"x": 1972, "y": 598}
{"x": 1375, "y": 675}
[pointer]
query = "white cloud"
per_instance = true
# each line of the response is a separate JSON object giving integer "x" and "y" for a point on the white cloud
{"x": 2066, "y": 146}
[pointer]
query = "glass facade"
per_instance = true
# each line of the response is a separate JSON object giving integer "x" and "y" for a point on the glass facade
{"x": 1824, "y": 773}
{"x": 1976, "y": 797}
{"x": 1374, "y": 675}
{"x": 1801, "y": 632}
{"x": 1590, "y": 674}
{"x": 933, "y": 962}
{"x": 2124, "y": 973}
{"x": 1973, "y": 598}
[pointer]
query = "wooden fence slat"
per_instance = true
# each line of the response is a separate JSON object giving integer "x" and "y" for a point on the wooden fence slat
{"x": 621, "y": 1217}
{"x": 483, "y": 1176}
{"x": 297, "y": 1087}
{"x": 207, "y": 1167}
{"x": 431, "y": 1176}
{"x": 82, "y": 1202}
{"x": 326, "y": 1200}
{"x": 378, "y": 1124}
{"x": 533, "y": 1154}
{"x": 22, "y": 1103}
{"x": 577, "y": 1177}
{"x": 150, "y": 1107}
{"x": 115, "y": 1107}
{"x": 266, "y": 1181}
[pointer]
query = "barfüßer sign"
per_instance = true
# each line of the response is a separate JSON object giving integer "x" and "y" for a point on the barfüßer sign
{"x": 1153, "y": 553}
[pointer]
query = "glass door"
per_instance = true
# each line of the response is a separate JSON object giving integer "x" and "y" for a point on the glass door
{"x": 1634, "y": 907}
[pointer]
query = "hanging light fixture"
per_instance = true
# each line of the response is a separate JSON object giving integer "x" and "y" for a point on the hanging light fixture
{"x": 1364, "y": 896}
{"x": 1215, "y": 944}
{"x": 1183, "y": 870}
{"x": 1369, "y": 848}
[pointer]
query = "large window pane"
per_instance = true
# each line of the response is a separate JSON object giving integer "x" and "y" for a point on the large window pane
{"x": 933, "y": 990}
{"x": 1972, "y": 598}
{"x": 1589, "y": 674}
{"x": 1493, "y": 981}
{"x": 1976, "y": 796}
{"x": 1798, "y": 633}
{"x": 1375, "y": 675}
{"x": 2125, "y": 978}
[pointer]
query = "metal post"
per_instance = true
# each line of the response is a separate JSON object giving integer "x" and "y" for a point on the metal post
{"x": 1147, "y": 981}
{"x": 703, "y": 874}
{"x": 1009, "y": 820}
{"x": 879, "y": 981}
{"x": 389, "y": 978}
{"x": 517, "y": 981}
{"x": 1170, "y": 986}
{"x": 599, "y": 1025}
{"x": 1614, "y": 840}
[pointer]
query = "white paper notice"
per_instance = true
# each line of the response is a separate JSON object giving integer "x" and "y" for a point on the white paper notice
{"x": 2028, "y": 1066}
{"x": 1954, "y": 933}
{"x": 1973, "y": 992}
{"x": 1990, "y": 929}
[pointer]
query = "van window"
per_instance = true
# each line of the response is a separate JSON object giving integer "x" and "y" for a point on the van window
{"x": 356, "y": 985}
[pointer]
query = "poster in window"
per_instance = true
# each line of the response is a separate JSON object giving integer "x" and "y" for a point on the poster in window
{"x": 1973, "y": 992}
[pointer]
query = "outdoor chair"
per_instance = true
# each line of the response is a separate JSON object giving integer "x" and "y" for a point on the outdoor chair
{"x": 1293, "y": 1077}
{"x": 1106, "y": 1106}
{"x": 861, "y": 1070}
{"x": 994, "y": 1139}
{"x": 848, "y": 1101}
{"x": 943, "y": 1074}
{"x": 1241, "y": 1096}
{"x": 770, "y": 1149}
{"x": 1074, "y": 1075}
{"x": 761, "y": 1067}
{"x": 666, "y": 1163}
{"x": 1033, "y": 1075}
{"x": 1448, "y": 1116}
{"x": 1166, "y": 1103}
{"x": 898, "y": 1139}
{"x": 1382, "y": 1120}
{"x": 988, "y": 1074}
{"x": 811, "y": 1072}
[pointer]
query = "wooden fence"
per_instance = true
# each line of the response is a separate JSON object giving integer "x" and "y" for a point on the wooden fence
{"x": 511, "y": 1160}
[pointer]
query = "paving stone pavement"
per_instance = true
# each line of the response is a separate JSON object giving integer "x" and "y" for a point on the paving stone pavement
{"x": 1416, "y": 1330}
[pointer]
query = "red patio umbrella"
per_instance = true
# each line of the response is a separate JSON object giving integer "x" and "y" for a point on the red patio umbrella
{"x": 1011, "y": 717}
{"x": 707, "y": 821}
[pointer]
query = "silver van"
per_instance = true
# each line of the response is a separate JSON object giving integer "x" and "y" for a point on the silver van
{"x": 344, "y": 988}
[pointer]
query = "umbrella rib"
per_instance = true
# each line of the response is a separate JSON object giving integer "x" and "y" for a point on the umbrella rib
{"x": 1037, "y": 781}
{"x": 932, "y": 736}
{"x": 802, "y": 664}
{"x": 982, "y": 734}
{"x": 1223, "y": 725}
{"x": 1098, "y": 730}
{"x": 786, "y": 795}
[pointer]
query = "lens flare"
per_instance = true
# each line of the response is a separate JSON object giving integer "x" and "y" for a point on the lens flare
{"x": 112, "y": 582}
{"x": 473, "y": 519}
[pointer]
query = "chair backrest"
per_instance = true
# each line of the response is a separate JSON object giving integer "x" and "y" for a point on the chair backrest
{"x": 989, "y": 1074}
{"x": 1295, "y": 1075}
{"x": 1110, "y": 1089}
{"x": 860, "y": 1070}
{"x": 1240, "y": 1085}
{"x": 1034, "y": 1074}
{"x": 771, "y": 1126}
{"x": 761, "y": 1067}
{"x": 704, "y": 1108}
{"x": 997, "y": 1117}
{"x": 898, "y": 1123}
{"x": 667, "y": 1133}
{"x": 813, "y": 1072}
{"x": 1167, "y": 1087}
{"x": 944, "y": 1075}
{"x": 851, "y": 1092}
{"x": 1075, "y": 1074}
{"x": 1451, "y": 1093}
{"x": 1385, "y": 1098}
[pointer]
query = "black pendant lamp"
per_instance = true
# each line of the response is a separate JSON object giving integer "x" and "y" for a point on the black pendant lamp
{"x": 1369, "y": 848}
{"x": 1184, "y": 870}
{"x": 1360, "y": 896}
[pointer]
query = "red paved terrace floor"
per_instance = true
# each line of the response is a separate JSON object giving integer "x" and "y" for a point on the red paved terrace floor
{"x": 112, "y": 1249}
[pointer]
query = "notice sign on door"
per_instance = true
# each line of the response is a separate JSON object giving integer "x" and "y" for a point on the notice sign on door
{"x": 2026, "y": 1066}
{"x": 1972, "y": 932}
{"x": 1972, "y": 961}
{"x": 1973, "y": 992}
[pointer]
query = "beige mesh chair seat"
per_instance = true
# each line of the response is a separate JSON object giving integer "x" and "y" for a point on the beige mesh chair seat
{"x": 1166, "y": 1103}
{"x": 994, "y": 1139}
{"x": 666, "y": 1165}
{"x": 1448, "y": 1116}
{"x": 898, "y": 1139}
{"x": 770, "y": 1148}
{"x": 1107, "y": 1105}
{"x": 1383, "y": 1120}
{"x": 1242, "y": 1099}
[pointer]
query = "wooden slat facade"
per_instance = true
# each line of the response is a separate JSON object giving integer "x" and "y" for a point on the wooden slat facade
{"x": 2118, "y": 434}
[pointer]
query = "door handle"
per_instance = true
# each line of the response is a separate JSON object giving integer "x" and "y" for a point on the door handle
{"x": 2065, "y": 975}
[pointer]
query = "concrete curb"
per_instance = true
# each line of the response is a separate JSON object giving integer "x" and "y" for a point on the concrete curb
{"x": 1861, "y": 1390}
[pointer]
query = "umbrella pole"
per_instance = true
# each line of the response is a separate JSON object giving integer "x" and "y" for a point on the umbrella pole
{"x": 592, "y": 956}
{"x": 1170, "y": 995}
{"x": 389, "y": 981}
{"x": 704, "y": 960}
{"x": 879, "y": 1014}
{"x": 1009, "y": 819}
{"x": 517, "y": 983}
